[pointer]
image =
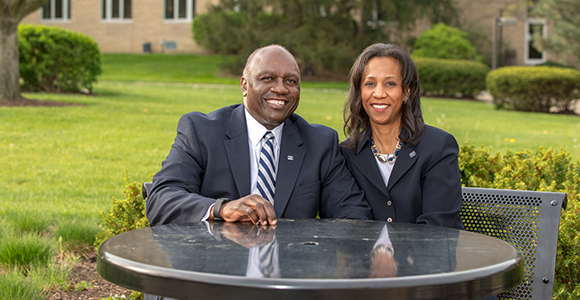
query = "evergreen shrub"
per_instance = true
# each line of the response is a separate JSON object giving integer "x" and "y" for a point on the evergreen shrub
{"x": 221, "y": 31}
{"x": 450, "y": 77}
{"x": 53, "y": 59}
{"x": 323, "y": 46}
{"x": 542, "y": 170}
{"x": 535, "y": 89}
{"x": 442, "y": 41}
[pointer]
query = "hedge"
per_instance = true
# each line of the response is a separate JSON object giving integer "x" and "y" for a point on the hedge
{"x": 53, "y": 59}
{"x": 535, "y": 89}
{"x": 450, "y": 77}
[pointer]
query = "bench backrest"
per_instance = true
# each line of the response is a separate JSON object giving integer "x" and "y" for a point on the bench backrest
{"x": 526, "y": 219}
{"x": 146, "y": 189}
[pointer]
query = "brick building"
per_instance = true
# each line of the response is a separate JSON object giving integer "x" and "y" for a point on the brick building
{"x": 135, "y": 26}
{"x": 127, "y": 26}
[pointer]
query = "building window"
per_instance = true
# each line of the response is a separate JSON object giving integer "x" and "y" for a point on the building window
{"x": 56, "y": 10}
{"x": 533, "y": 55}
{"x": 116, "y": 10}
{"x": 179, "y": 10}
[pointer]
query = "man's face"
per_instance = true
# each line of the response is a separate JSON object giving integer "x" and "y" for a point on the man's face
{"x": 272, "y": 87}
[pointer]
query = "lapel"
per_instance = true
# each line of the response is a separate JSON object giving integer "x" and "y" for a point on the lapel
{"x": 289, "y": 165}
{"x": 364, "y": 157}
{"x": 405, "y": 160}
{"x": 237, "y": 150}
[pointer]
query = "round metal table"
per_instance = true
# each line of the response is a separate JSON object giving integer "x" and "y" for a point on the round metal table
{"x": 313, "y": 259}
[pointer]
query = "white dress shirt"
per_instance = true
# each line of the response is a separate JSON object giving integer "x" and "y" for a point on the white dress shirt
{"x": 256, "y": 132}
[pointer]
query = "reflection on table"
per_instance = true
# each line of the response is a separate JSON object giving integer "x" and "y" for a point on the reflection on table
{"x": 310, "y": 259}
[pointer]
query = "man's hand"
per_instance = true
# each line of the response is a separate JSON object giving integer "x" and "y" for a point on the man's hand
{"x": 248, "y": 235}
{"x": 252, "y": 208}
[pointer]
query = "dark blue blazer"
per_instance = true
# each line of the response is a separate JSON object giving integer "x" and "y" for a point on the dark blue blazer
{"x": 424, "y": 187}
{"x": 210, "y": 159}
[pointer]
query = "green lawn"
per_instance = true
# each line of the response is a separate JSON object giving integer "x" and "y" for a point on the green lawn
{"x": 61, "y": 166}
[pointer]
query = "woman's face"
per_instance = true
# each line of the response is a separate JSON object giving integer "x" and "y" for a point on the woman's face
{"x": 382, "y": 91}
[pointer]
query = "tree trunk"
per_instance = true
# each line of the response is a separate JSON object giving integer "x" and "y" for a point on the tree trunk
{"x": 11, "y": 13}
{"x": 9, "y": 64}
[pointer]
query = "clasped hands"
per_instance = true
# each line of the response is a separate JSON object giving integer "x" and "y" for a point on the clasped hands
{"x": 252, "y": 208}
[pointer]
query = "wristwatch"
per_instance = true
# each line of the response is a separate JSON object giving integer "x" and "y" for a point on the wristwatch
{"x": 217, "y": 206}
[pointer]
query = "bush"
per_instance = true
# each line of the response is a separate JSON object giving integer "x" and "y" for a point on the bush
{"x": 320, "y": 46}
{"x": 53, "y": 59}
{"x": 126, "y": 214}
{"x": 323, "y": 46}
{"x": 449, "y": 77}
{"x": 536, "y": 89}
{"x": 442, "y": 41}
{"x": 543, "y": 170}
{"x": 220, "y": 32}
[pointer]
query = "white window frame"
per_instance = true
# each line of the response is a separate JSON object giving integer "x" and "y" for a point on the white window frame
{"x": 65, "y": 12}
{"x": 188, "y": 12}
{"x": 109, "y": 13}
{"x": 528, "y": 37}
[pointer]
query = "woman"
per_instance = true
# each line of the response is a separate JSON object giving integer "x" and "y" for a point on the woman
{"x": 408, "y": 170}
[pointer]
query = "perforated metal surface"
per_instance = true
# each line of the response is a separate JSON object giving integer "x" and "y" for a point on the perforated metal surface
{"x": 527, "y": 220}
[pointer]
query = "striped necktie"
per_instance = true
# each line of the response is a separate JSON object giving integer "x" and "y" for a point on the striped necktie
{"x": 266, "y": 254}
{"x": 266, "y": 170}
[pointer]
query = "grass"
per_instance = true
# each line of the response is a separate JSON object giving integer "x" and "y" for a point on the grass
{"x": 61, "y": 166}
{"x": 21, "y": 251}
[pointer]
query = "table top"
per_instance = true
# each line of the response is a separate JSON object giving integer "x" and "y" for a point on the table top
{"x": 310, "y": 259}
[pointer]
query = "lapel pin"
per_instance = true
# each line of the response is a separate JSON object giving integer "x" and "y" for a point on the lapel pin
{"x": 290, "y": 157}
{"x": 412, "y": 154}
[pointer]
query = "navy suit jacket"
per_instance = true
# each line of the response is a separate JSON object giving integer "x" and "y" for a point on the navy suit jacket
{"x": 210, "y": 159}
{"x": 425, "y": 184}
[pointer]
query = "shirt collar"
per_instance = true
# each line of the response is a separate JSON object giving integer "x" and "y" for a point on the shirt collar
{"x": 256, "y": 130}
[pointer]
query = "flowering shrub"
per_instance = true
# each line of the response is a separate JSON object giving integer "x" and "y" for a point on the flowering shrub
{"x": 126, "y": 214}
{"x": 542, "y": 170}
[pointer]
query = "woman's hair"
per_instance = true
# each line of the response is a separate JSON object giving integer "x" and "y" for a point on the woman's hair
{"x": 356, "y": 120}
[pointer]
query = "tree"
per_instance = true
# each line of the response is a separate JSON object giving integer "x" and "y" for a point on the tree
{"x": 11, "y": 13}
{"x": 325, "y": 36}
{"x": 564, "y": 17}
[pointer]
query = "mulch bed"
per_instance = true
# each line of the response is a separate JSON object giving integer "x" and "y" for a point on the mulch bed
{"x": 85, "y": 271}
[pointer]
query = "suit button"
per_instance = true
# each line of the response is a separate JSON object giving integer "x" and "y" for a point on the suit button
{"x": 389, "y": 203}
{"x": 389, "y": 220}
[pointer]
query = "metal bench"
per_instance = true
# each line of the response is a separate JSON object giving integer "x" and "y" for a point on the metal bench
{"x": 146, "y": 189}
{"x": 528, "y": 220}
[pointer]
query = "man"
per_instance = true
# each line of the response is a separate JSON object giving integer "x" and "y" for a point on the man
{"x": 216, "y": 168}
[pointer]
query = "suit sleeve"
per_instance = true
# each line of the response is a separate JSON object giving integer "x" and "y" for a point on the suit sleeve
{"x": 174, "y": 196}
{"x": 341, "y": 196}
{"x": 442, "y": 186}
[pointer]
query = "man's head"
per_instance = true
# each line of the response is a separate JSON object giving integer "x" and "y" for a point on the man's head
{"x": 271, "y": 85}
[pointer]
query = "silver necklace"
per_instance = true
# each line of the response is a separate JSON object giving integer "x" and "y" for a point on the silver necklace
{"x": 391, "y": 157}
